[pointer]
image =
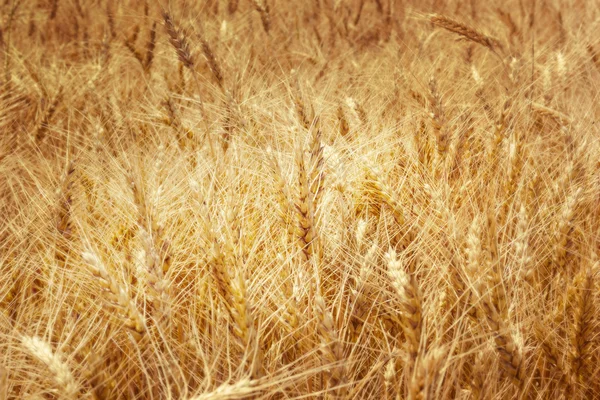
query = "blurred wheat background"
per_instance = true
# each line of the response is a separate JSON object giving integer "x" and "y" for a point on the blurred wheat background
{"x": 268, "y": 199}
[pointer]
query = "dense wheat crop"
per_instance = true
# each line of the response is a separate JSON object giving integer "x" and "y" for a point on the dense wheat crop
{"x": 269, "y": 199}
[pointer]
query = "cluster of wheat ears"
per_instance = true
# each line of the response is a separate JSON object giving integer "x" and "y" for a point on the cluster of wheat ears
{"x": 353, "y": 199}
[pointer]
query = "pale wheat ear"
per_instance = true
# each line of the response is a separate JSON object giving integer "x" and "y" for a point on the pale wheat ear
{"x": 116, "y": 295}
{"x": 62, "y": 375}
{"x": 410, "y": 300}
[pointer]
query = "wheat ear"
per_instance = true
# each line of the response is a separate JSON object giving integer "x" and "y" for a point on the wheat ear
{"x": 410, "y": 302}
{"x": 178, "y": 41}
{"x": 116, "y": 295}
{"x": 61, "y": 371}
{"x": 584, "y": 319}
{"x": 465, "y": 31}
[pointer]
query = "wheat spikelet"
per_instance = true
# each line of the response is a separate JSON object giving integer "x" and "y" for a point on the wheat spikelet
{"x": 465, "y": 31}
{"x": 283, "y": 196}
{"x": 438, "y": 118}
{"x": 361, "y": 292}
{"x": 61, "y": 372}
{"x": 386, "y": 195}
{"x": 426, "y": 374}
{"x": 65, "y": 201}
{"x": 150, "y": 45}
{"x": 389, "y": 379}
{"x": 130, "y": 44}
{"x": 232, "y": 6}
{"x": 546, "y": 112}
{"x": 178, "y": 41}
{"x": 509, "y": 352}
{"x": 344, "y": 127}
{"x": 552, "y": 354}
{"x": 265, "y": 15}
{"x": 317, "y": 173}
{"x": 48, "y": 114}
{"x": 116, "y": 295}
{"x": 476, "y": 382}
{"x": 241, "y": 389}
{"x": 212, "y": 61}
{"x": 584, "y": 318}
{"x": 232, "y": 289}
{"x": 410, "y": 301}
{"x": 560, "y": 236}
{"x": 331, "y": 346}
{"x": 495, "y": 281}
{"x": 521, "y": 246}
{"x": 305, "y": 210}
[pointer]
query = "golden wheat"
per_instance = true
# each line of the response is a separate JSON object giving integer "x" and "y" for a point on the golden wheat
{"x": 318, "y": 199}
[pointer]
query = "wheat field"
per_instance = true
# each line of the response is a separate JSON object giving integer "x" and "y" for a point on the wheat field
{"x": 267, "y": 199}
